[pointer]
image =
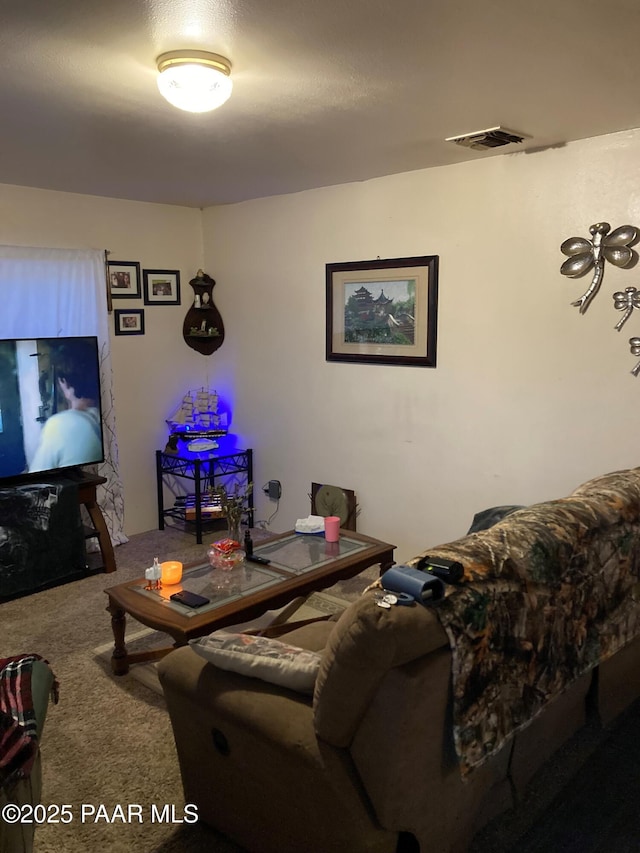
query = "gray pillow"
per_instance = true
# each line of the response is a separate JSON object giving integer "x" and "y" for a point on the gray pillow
{"x": 261, "y": 657}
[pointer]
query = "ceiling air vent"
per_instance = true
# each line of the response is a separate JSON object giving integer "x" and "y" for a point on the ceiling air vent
{"x": 484, "y": 140}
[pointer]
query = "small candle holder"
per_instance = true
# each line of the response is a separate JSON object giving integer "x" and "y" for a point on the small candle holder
{"x": 171, "y": 572}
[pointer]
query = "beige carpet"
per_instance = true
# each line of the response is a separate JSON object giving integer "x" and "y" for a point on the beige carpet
{"x": 145, "y": 673}
{"x": 109, "y": 741}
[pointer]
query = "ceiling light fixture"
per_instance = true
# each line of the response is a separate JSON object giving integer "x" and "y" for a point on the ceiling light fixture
{"x": 194, "y": 80}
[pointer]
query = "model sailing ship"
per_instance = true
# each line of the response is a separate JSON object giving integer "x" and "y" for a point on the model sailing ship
{"x": 198, "y": 418}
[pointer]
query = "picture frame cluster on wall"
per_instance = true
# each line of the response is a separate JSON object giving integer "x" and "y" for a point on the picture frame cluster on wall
{"x": 383, "y": 311}
{"x": 157, "y": 287}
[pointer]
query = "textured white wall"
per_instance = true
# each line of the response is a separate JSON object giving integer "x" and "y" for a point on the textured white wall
{"x": 529, "y": 398}
{"x": 150, "y": 370}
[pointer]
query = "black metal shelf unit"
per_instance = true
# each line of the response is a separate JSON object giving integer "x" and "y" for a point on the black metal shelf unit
{"x": 205, "y": 470}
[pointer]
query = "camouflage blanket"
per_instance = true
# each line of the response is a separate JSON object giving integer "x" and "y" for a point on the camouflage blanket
{"x": 548, "y": 593}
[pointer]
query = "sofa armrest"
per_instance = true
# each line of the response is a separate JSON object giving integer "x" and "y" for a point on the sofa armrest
{"x": 184, "y": 675}
{"x": 18, "y": 837}
{"x": 41, "y": 685}
{"x": 252, "y": 764}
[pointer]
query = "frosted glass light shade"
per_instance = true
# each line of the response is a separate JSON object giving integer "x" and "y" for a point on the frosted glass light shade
{"x": 196, "y": 81}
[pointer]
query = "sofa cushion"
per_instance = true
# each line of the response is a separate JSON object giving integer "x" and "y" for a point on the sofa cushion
{"x": 313, "y": 636}
{"x": 260, "y": 657}
{"x": 366, "y": 642}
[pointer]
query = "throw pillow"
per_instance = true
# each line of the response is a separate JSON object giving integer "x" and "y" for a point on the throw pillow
{"x": 261, "y": 657}
{"x": 488, "y": 517}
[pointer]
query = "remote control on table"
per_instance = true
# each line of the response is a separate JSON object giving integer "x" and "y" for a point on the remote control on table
{"x": 256, "y": 559}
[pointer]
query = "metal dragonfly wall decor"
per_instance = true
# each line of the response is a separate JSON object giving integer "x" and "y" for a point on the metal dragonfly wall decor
{"x": 606, "y": 245}
{"x": 634, "y": 346}
{"x": 625, "y": 301}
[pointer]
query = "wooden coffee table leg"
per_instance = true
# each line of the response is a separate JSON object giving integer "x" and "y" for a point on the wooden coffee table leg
{"x": 119, "y": 658}
{"x": 386, "y": 563}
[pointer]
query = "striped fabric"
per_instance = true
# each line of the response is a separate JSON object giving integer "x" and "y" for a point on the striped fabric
{"x": 18, "y": 725}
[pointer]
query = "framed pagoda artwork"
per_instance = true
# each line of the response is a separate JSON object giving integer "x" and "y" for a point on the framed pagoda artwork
{"x": 383, "y": 311}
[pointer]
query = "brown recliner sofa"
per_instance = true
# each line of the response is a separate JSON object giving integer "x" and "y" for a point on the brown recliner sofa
{"x": 426, "y": 721}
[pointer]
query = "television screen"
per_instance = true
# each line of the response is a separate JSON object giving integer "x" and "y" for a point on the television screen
{"x": 50, "y": 415}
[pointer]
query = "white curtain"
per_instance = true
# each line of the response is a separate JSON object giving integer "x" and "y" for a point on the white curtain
{"x": 48, "y": 293}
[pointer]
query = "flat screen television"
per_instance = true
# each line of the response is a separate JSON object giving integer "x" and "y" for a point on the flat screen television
{"x": 50, "y": 413}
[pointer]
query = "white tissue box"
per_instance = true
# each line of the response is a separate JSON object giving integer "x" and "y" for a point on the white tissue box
{"x": 310, "y": 524}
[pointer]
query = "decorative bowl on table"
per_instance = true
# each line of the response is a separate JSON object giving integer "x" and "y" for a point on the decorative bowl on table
{"x": 225, "y": 554}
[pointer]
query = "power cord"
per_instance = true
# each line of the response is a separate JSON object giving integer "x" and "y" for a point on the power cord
{"x": 264, "y": 524}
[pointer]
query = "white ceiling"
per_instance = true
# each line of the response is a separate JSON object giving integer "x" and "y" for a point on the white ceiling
{"x": 325, "y": 92}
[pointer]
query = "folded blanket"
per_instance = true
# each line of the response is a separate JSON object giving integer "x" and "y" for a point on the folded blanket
{"x": 18, "y": 724}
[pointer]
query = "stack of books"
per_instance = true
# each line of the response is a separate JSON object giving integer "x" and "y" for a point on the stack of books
{"x": 210, "y": 506}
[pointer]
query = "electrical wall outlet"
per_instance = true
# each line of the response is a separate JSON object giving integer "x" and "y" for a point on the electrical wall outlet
{"x": 273, "y": 489}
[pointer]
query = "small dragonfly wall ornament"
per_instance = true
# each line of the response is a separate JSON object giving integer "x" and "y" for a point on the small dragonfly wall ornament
{"x": 626, "y": 302}
{"x": 634, "y": 346}
{"x": 583, "y": 255}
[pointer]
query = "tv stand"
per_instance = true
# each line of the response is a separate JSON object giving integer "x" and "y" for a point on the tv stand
{"x": 46, "y": 544}
{"x": 87, "y": 484}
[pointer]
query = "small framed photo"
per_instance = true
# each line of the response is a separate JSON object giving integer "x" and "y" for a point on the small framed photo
{"x": 129, "y": 322}
{"x": 161, "y": 287}
{"x": 124, "y": 279}
{"x": 383, "y": 311}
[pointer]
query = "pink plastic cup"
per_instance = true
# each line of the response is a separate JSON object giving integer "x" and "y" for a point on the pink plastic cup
{"x": 332, "y": 528}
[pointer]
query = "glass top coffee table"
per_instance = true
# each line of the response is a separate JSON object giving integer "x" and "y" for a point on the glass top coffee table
{"x": 299, "y": 564}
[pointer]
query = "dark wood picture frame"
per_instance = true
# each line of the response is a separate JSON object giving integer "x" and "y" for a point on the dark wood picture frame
{"x": 161, "y": 287}
{"x": 124, "y": 279}
{"x": 383, "y": 311}
{"x": 128, "y": 321}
